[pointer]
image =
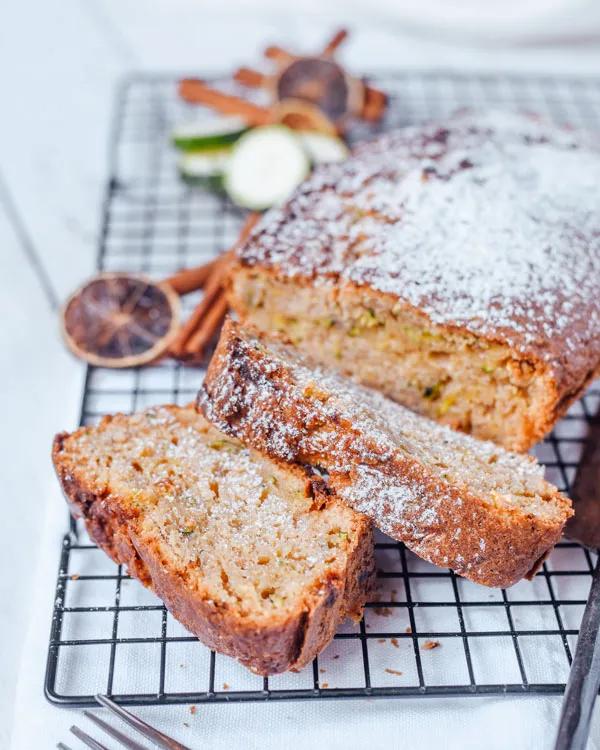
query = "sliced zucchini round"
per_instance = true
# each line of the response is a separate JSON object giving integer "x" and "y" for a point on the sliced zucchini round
{"x": 266, "y": 165}
{"x": 204, "y": 168}
{"x": 322, "y": 148}
{"x": 213, "y": 133}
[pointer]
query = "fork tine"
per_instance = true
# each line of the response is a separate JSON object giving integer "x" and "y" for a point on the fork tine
{"x": 86, "y": 739}
{"x": 115, "y": 733}
{"x": 158, "y": 738}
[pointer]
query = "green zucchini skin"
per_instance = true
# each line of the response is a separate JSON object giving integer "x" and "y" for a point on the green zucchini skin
{"x": 212, "y": 143}
{"x": 214, "y": 183}
{"x": 211, "y": 135}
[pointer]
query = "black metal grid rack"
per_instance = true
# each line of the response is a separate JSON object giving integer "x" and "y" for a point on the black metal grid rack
{"x": 431, "y": 632}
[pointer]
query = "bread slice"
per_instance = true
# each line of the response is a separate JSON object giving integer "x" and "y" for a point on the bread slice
{"x": 454, "y": 266}
{"x": 454, "y": 500}
{"x": 250, "y": 555}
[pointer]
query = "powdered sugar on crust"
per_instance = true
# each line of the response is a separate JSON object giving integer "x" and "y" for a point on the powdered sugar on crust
{"x": 490, "y": 222}
{"x": 385, "y": 426}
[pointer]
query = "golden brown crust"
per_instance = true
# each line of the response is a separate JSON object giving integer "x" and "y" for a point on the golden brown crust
{"x": 253, "y": 395}
{"x": 485, "y": 223}
{"x": 265, "y": 648}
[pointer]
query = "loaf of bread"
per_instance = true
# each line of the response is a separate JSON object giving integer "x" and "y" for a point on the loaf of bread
{"x": 454, "y": 500}
{"x": 454, "y": 266}
{"x": 253, "y": 557}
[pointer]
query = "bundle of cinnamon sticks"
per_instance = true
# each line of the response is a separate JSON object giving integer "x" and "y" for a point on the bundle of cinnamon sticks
{"x": 368, "y": 103}
{"x": 203, "y": 324}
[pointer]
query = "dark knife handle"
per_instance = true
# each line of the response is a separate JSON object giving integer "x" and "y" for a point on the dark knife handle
{"x": 584, "y": 679}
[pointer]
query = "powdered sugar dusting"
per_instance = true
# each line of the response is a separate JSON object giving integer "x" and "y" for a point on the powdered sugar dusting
{"x": 416, "y": 479}
{"x": 491, "y": 222}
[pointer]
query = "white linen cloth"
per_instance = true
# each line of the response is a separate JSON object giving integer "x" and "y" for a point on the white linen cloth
{"x": 58, "y": 66}
{"x": 495, "y": 723}
{"x": 500, "y": 722}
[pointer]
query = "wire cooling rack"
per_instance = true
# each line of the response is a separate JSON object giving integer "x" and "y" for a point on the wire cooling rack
{"x": 430, "y": 632}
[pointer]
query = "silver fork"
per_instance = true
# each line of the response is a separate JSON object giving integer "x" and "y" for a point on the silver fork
{"x": 157, "y": 738}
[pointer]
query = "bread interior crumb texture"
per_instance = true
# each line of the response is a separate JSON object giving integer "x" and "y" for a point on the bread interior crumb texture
{"x": 249, "y": 532}
{"x": 465, "y": 381}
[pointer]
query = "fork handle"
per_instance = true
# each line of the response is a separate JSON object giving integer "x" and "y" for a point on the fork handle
{"x": 584, "y": 679}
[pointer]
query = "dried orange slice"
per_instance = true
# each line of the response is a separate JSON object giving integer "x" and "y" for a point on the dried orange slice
{"x": 316, "y": 80}
{"x": 300, "y": 115}
{"x": 121, "y": 320}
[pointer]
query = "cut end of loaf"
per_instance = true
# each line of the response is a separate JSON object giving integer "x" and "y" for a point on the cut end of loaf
{"x": 478, "y": 386}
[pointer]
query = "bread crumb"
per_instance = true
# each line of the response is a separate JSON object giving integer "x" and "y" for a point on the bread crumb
{"x": 395, "y": 642}
{"x": 381, "y": 640}
{"x": 75, "y": 577}
{"x": 430, "y": 645}
{"x": 192, "y": 710}
{"x": 393, "y": 671}
{"x": 324, "y": 684}
{"x": 383, "y": 611}
{"x": 336, "y": 656}
{"x": 225, "y": 686}
{"x": 185, "y": 724}
{"x": 322, "y": 671}
{"x": 408, "y": 629}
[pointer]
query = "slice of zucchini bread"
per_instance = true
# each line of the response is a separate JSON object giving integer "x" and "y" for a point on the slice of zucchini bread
{"x": 454, "y": 500}
{"x": 453, "y": 266}
{"x": 250, "y": 555}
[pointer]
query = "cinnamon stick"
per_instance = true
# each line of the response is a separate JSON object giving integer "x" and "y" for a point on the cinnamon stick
{"x": 250, "y": 77}
{"x": 208, "y": 326}
{"x": 374, "y": 104}
{"x": 335, "y": 41}
{"x": 280, "y": 55}
{"x": 213, "y": 294}
{"x": 211, "y": 291}
{"x": 191, "y": 279}
{"x": 195, "y": 91}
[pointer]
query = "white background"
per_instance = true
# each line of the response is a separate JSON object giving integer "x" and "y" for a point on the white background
{"x": 59, "y": 62}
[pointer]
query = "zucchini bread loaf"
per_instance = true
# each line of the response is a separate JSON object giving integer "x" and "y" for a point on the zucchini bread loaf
{"x": 456, "y": 501}
{"x": 251, "y": 556}
{"x": 455, "y": 267}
